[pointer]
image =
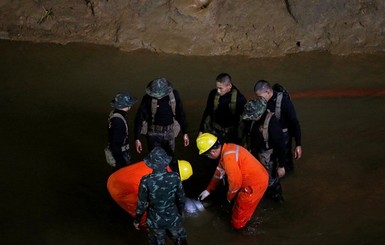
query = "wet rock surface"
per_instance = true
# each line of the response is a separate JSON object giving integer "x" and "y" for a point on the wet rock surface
{"x": 202, "y": 27}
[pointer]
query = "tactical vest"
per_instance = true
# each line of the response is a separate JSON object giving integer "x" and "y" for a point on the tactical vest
{"x": 210, "y": 123}
{"x": 125, "y": 146}
{"x": 155, "y": 129}
{"x": 154, "y": 106}
{"x": 233, "y": 102}
{"x": 151, "y": 128}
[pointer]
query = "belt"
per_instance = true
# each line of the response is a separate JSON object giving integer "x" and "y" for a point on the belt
{"x": 159, "y": 128}
{"x": 222, "y": 129}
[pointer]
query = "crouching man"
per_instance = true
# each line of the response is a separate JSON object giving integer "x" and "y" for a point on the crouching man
{"x": 123, "y": 185}
{"x": 247, "y": 177}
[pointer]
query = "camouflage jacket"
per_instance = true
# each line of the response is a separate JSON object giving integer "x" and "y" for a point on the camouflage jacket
{"x": 161, "y": 194}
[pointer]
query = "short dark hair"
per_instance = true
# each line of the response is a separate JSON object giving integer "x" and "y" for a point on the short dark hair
{"x": 223, "y": 77}
{"x": 261, "y": 85}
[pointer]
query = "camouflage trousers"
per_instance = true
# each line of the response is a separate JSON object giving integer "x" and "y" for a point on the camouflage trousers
{"x": 166, "y": 140}
{"x": 158, "y": 236}
{"x": 274, "y": 190}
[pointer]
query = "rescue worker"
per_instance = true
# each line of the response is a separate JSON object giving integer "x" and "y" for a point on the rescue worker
{"x": 118, "y": 129}
{"x": 247, "y": 177}
{"x": 160, "y": 117}
{"x": 224, "y": 107}
{"x": 284, "y": 110}
{"x": 161, "y": 195}
{"x": 264, "y": 134}
{"x": 123, "y": 185}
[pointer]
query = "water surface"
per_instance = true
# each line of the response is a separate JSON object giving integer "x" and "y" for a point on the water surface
{"x": 55, "y": 102}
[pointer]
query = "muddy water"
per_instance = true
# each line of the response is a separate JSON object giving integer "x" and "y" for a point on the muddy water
{"x": 54, "y": 104}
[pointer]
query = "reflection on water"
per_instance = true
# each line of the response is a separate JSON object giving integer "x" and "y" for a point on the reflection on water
{"x": 54, "y": 101}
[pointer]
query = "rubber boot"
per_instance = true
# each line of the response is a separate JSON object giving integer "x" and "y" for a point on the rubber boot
{"x": 277, "y": 193}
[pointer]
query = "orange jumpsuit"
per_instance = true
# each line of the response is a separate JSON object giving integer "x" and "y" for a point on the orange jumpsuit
{"x": 123, "y": 186}
{"x": 248, "y": 180}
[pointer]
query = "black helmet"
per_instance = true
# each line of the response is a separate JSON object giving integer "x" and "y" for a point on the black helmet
{"x": 159, "y": 88}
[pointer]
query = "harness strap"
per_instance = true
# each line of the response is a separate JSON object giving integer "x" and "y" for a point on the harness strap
{"x": 265, "y": 128}
{"x": 172, "y": 102}
{"x": 278, "y": 105}
{"x": 251, "y": 126}
{"x": 154, "y": 105}
{"x": 112, "y": 115}
{"x": 216, "y": 101}
{"x": 233, "y": 102}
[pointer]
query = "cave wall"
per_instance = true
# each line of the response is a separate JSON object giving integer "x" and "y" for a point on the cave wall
{"x": 255, "y": 28}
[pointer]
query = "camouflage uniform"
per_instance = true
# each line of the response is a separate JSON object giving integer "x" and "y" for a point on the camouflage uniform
{"x": 161, "y": 110}
{"x": 161, "y": 195}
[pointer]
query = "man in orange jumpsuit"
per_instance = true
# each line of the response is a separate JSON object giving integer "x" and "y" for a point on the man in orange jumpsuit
{"x": 247, "y": 177}
{"x": 123, "y": 185}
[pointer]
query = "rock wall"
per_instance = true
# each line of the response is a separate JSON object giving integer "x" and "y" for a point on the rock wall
{"x": 255, "y": 28}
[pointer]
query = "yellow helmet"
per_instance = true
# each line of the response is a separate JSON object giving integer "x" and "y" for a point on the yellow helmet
{"x": 185, "y": 169}
{"x": 205, "y": 141}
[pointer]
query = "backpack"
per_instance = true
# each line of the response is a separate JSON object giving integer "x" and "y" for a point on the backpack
{"x": 279, "y": 88}
{"x": 281, "y": 92}
{"x": 263, "y": 129}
